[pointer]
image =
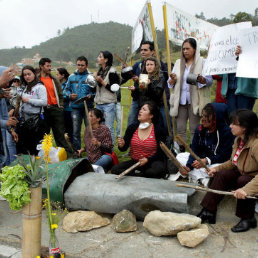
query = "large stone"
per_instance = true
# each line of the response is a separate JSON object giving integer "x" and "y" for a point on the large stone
{"x": 124, "y": 221}
{"x": 83, "y": 221}
{"x": 193, "y": 237}
{"x": 169, "y": 223}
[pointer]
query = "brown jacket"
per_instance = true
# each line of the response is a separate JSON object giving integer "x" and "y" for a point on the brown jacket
{"x": 58, "y": 90}
{"x": 247, "y": 163}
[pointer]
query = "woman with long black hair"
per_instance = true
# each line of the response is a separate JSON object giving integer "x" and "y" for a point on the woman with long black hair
{"x": 240, "y": 173}
{"x": 31, "y": 127}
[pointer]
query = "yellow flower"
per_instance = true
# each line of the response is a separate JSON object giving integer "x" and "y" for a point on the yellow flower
{"x": 54, "y": 226}
{"x": 53, "y": 214}
{"x": 37, "y": 157}
{"x": 47, "y": 144}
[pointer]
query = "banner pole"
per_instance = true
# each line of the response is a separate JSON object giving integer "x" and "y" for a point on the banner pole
{"x": 168, "y": 59}
{"x": 154, "y": 35}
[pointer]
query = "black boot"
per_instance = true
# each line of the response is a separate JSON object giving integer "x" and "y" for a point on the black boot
{"x": 244, "y": 225}
{"x": 207, "y": 216}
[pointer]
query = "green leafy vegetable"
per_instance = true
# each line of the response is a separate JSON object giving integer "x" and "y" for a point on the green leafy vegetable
{"x": 14, "y": 187}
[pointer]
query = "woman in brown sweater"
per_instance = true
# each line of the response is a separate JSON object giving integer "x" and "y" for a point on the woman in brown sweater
{"x": 239, "y": 173}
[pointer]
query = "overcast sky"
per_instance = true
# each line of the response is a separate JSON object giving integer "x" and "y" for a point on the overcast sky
{"x": 30, "y": 22}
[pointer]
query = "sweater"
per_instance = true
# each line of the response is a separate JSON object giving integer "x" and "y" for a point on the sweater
{"x": 160, "y": 135}
{"x": 215, "y": 146}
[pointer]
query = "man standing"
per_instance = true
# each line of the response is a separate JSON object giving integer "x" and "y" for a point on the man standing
{"x": 53, "y": 113}
{"x": 78, "y": 88}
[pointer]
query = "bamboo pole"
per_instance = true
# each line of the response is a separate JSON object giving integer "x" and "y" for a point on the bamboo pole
{"x": 87, "y": 114}
{"x": 191, "y": 152}
{"x": 199, "y": 188}
{"x": 168, "y": 60}
{"x": 31, "y": 225}
{"x": 129, "y": 170}
{"x": 155, "y": 41}
{"x": 171, "y": 156}
{"x": 121, "y": 122}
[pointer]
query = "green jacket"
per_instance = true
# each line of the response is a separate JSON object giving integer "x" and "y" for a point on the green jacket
{"x": 245, "y": 86}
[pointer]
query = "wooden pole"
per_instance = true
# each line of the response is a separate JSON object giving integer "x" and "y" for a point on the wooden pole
{"x": 155, "y": 41}
{"x": 121, "y": 122}
{"x": 129, "y": 170}
{"x": 191, "y": 152}
{"x": 31, "y": 225}
{"x": 168, "y": 60}
{"x": 212, "y": 190}
{"x": 87, "y": 114}
{"x": 171, "y": 156}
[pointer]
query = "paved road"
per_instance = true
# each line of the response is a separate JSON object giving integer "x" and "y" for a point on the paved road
{"x": 106, "y": 243}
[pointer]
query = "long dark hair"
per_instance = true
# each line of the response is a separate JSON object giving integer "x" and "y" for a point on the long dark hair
{"x": 246, "y": 119}
{"x": 64, "y": 72}
{"x": 34, "y": 82}
{"x": 99, "y": 114}
{"x": 154, "y": 110}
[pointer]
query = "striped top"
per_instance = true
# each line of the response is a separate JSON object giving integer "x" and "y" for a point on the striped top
{"x": 143, "y": 148}
{"x": 239, "y": 149}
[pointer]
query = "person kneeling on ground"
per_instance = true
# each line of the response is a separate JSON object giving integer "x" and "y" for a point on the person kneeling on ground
{"x": 143, "y": 138}
{"x": 100, "y": 145}
{"x": 240, "y": 173}
{"x": 212, "y": 142}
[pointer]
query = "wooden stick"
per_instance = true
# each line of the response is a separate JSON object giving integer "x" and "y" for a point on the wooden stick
{"x": 119, "y": 58}
{"x": 171, "y": 156}
{"x": 212, "y": 190}
{"x": 191, "y": 152}
{"x": 87, "y": 114}
{"x": 121, "y": 122}
{"x": 129, "y": 170}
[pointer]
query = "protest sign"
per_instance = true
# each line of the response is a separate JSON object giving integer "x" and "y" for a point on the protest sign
{"x": 248, "y": 60}
{"x": 142, "y": 29}
{"x": 182, "y": 25}
{"x": 221, "y": 57}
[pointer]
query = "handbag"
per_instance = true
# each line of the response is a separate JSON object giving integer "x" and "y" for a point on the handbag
{"x": 114, "y": 157}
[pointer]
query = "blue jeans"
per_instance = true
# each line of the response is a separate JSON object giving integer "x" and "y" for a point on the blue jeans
{"x": 235, "y": 102}
{"x": 133, "y": 113}
{"x": 77, "y": 116}
{"x": 118, "y": 119}
{"x": 11, "y": 148}
{"x": 109, "y": 111}
{"x": 104, "y": 161}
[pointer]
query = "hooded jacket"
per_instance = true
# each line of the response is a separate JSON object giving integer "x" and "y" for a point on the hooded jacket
{"x": 77, "y": 84}
{"x": 199, "y": 96}
{"x": 216, "y": 146}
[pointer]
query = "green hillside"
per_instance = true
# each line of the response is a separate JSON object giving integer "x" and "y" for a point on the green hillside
{"x": 85, "y": 40}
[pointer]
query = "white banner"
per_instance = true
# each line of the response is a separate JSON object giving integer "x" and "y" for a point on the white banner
{"x": 248, "y": 60}
{"x": 142, "y": 29}
{"x": 182, "y": 25}
{"x": 221, "y": 57}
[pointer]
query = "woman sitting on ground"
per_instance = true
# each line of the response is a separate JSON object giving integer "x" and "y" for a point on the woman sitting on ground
{"x": 240, "y": 172}
{"x": 143, "y": 138}
{"x": 100, "y": 145}
{"x": 212, "y": 142}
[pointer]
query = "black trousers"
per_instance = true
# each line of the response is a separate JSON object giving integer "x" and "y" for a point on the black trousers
{"x": 54, "y": 119}
{"x": 155, "y": 169}
{"x": 229, "y": 180}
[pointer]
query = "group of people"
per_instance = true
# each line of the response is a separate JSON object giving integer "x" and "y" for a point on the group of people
{"x": 45, "y": 102}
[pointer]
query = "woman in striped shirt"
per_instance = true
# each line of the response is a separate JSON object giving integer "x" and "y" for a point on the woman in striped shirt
{"x": 143, "y": 138}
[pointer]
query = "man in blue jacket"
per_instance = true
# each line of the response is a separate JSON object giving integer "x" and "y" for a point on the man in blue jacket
{"x": 78, "y": 88}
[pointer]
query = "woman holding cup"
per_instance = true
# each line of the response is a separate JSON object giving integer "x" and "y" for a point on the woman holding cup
{"x": 187, "y": 101}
